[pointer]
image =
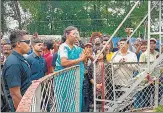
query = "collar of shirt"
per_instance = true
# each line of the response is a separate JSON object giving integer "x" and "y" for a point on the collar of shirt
{"x": 128, "y": 52}
{"x": 34, "y": 55}
{"x": 21, "y": 57}
{"x": 155, "y": 52}
{"x": 18, "y": 55}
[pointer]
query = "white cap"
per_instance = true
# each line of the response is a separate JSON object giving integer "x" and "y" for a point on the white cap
{"x": 138, "y": 39}
{"x": 153, "y": 39}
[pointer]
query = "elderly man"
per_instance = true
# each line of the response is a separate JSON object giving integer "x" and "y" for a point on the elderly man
{"x": 97, "y": 43}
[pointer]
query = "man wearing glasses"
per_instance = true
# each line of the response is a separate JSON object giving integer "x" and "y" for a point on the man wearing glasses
{"x": 16, "y": 71}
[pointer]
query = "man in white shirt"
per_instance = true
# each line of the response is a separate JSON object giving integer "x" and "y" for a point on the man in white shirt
{"x": 124, "y": 55}
{"x": 123, "y": 73}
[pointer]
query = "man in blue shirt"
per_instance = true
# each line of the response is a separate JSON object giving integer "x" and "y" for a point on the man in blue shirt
{"x": 16, "y": 71}
{"x": 36, "y": 61}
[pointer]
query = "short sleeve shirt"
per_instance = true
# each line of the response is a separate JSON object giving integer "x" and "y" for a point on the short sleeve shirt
{"x": 63, "y": 52}
{"x": 16, "y": 73}
{"x": 109, "y": 56}
{"x": 37, "y": 65}
{"x": 144, "y": 56}
{"x": 129, "y": 57}
{"x": 121, "y": 75}
{"x": 48, "y": 58}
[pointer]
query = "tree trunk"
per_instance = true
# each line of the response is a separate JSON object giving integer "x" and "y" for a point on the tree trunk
{"x": 3, "y": 22}
{"x": 17, "y": 13}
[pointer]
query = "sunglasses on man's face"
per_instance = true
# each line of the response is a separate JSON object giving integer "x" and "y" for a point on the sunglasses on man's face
{"x": 26, "y": 41}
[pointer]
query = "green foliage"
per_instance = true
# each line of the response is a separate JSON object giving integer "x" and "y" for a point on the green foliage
{"x": 52, "y": 17}
{"x": 159, "y": 109}
{"x": 33, "y": 7}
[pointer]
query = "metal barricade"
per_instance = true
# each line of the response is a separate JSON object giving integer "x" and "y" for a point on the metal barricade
{"x": 57, "y": 92}
{"x": 128, "y": 87}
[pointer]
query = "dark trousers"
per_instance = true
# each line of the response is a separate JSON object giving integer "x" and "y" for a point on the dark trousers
{"x": 85, "y": 105}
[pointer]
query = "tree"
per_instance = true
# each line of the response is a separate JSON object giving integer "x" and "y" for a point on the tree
{"x": 10, "y": 10}
{"x": 3, "y": 15}
{"x": 52, "y": 17}
{"x": 16, "y": 12}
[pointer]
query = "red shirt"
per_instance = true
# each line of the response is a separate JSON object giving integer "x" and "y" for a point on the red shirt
{"x": 48, "y": 58}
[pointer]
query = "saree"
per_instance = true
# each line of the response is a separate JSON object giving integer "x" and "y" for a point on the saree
{"x": 64, "y": 84}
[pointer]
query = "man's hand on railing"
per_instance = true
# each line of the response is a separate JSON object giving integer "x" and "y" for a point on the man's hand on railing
{"x": 98, "y": 86}
{"x": 149, "y": 79}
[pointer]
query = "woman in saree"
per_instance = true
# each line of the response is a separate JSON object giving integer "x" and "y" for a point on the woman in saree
{"x": 69, "y": 55}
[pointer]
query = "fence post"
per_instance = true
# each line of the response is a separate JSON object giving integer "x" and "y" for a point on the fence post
{"x": 94, "y": 87}
{"x": 103, "y": 85}
{"x": 156, "y": 93}
{"x": 77, "y": 89}
{"x": 38, "y": 99}
{"x": 156, "y": 98}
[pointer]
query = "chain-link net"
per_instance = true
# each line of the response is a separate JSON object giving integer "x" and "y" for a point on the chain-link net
{"x": 127, "y": 87}
{"x": 160, "y": 83}
{"x": 58, "y": 93}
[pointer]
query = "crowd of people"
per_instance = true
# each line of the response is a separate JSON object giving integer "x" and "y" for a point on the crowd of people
{"x": 24, "y": 60}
